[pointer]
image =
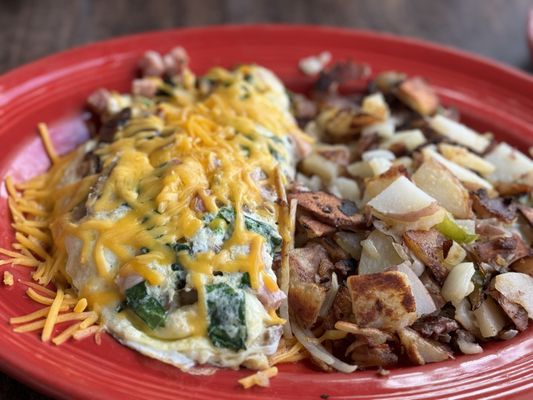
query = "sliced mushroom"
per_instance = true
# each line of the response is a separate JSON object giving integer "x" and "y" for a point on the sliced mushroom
{"x": 524, "y": 265}
{"x": 500, "y": 251}
{"x": 514, "y": 311}
{"x": 378, "y": 356}
{"x": 329, "y": 209}
{"x": 313, "y": 227}
{"x": 517, "y": 287}
{"x": 485, "y": 207}
{"x": 435, "y": 327}
{"x": 428, "y": 247}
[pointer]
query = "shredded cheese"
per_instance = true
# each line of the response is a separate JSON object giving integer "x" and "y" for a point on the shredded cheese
{"x": 51, "y": 318}
{"x": 260, "y": 378}
{"x": 47, "y": 142}
{"x": 8, "y": 278}
{"x": 81, "y": 305}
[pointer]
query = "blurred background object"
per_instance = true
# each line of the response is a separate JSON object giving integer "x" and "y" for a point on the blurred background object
{"x": 30, "y": 29}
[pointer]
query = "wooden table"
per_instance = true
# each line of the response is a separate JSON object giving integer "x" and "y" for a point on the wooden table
{"x": 30, "y": 29}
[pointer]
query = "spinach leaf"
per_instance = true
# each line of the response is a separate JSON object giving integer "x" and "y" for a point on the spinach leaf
{"x": 245, "y": 280}
{"x": 178, "y": 247}
{"x": 181, "y": 275}
{"x": 269, "y": 232}
{"x": 276, "y": 154}
{"x": 227, "y": 213}
{"x": 226, "y": 316}
{"x": 145, "y": 306}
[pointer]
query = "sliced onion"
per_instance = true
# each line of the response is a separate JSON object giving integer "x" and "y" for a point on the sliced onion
{"x": 306, "y": 338}
{"x": 330, "y": 296}
{"x": 401, "y": 251}
{"x": 285, "y": 271}
{"x": 469, "y": 347}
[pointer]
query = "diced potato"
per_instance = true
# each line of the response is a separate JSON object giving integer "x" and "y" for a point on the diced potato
{"x": 376, "y": 106}
{"x": 511, "y": 165}
{"x": 517, "y": 287}
{"x": 377, "y": 184}
{"x": 465, "y": 158}
{"x": 313, "y": 183}
{"x": 378, "y": 254}
{"x": 405, "y": 206}
{"x": 459, "y": 133}
{"x": 388, "y": 81}
{"x": 424, "y": 302}
{"x": 411, "y": 139}
{"x": 437, "y": 181}
{"x": 360, "y": 169}
{"x": 406, "y": 162}
{"x": 318, "y": 165}
{"x": 379, "y": 165}
{"x": 490, "y": 318}
{"x": 337, "y": 153}
{"x": 383, "y": 301}
{"x": 469, "y": 178}
{"x": 347, "y": 188}
{"x": 421, "y": 350}
{"x": 312, "y": 65}
{"x": 350, "y": 242}
{"x": 459, "y": 284}
{"x": 379, "y": 153}
{"x": 465, "y": 316}
{"x": 456, "y": 255}
{"x": 418, "y": 95}
{"x": 336, "y": 123}
{"x": 383, "y": 129}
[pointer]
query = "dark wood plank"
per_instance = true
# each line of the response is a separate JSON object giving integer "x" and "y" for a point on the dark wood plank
{"x": 30, "y": 29}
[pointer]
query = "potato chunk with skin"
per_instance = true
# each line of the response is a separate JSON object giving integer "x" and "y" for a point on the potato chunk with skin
{"x": 306, "y": 296}
{"x": 305, "y": 301}
{"x": 437, "y": 181}
{"x": 383, "y": 300}
{"x": 406, "y": 206}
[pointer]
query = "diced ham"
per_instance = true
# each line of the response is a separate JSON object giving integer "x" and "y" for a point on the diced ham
{"x": 98, "y": 101}
{"x": 175, "y": 61}
{"x": 151, "y": 64}
{"x": 144, "y": 87}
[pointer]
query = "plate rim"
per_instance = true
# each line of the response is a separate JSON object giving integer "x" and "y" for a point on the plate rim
{"x": 82, "y": 53}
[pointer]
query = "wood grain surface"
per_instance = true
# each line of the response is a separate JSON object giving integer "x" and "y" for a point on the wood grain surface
{"x": 30, "y": 29}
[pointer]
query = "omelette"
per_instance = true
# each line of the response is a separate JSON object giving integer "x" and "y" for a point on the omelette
{"x": 169, "y": 220}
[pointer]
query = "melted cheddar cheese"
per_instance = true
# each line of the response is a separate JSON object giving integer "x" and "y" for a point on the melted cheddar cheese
{"x": 187, "y": 191}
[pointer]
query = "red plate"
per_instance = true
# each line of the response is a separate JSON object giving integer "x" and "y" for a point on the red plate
{"x": 490, "y": 97}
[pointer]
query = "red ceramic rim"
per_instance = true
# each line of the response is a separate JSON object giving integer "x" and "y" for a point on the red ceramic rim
{"x": 490, "y": 96}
